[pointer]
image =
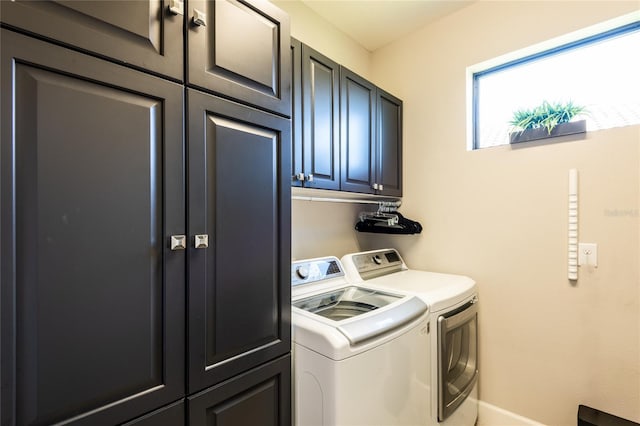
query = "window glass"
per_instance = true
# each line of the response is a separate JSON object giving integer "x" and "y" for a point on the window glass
{"x": 600, "y": 73}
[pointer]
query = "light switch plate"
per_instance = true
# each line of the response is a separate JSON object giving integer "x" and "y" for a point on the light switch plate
{"x": 588, "y": 254}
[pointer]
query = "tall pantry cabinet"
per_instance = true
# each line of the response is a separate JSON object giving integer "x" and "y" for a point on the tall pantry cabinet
{"x": 145, "y": 213}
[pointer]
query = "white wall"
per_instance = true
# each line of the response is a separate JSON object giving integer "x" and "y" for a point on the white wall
{"x": 500, "y": 216}
{"x": 323, "y": 229}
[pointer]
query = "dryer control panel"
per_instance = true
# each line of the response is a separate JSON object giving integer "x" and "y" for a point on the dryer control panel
{"x": 377, "y": 263}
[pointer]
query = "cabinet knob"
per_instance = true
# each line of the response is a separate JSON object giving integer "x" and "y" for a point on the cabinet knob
{"x": 309, "y": 177}
{"x": 199, "y": 18}
{"x": 201, "y": 241}
{"x": 300, "y": 176}
{"x": 178, "y": 242}
{"x": 374, "y": 186}
{"x": 381, "y": 187}
{"x": 176, "y": 7}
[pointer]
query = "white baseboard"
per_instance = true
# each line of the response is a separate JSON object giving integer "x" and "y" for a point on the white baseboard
{"x": 490, "y": 415}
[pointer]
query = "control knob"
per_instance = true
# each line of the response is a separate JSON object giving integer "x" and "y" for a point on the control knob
{"x": 303, "y": 272}
{"x": 377, "y": 259}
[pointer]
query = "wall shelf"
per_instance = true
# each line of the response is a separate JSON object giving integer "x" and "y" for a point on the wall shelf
{"x": 309, "y": 194}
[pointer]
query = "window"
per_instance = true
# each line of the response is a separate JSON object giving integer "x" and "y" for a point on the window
{"x": 600, "y": 72}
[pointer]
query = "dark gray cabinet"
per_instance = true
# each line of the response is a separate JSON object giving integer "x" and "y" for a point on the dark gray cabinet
{"x": 357, "y": 133}
{"x": 389, "y": 144}
{"x": 258, "y": 397}
{"x": 141, "y": 33}
{"x": 92, "y": 177}
{"x": 318, "y": 160}
{"x": 171, "y": 415}
{"x": 370, "y": 138}
{"x": 347, "y": 133}
{"x": 240, "y": 49}
{"x": 239, "y": 195}
{"x": 104, "y": 320}
{"x": 297, "y": 165}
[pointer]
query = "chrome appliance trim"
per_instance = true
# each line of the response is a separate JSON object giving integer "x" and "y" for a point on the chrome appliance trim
{"x": 446, "y": 323}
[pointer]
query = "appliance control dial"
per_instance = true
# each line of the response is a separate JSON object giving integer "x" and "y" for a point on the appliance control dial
{"x": 303, "y": 271}
{"x": 377, "y": 259}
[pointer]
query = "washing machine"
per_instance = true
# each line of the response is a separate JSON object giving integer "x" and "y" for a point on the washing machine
{"x": 358, "y": 352}
{"x": 453, "y": 328}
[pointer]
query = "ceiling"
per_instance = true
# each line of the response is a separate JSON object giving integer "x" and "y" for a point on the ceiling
{"x": 376, "y": 23}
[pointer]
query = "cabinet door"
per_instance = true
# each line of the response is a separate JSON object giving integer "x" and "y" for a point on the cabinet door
{"x": 140, "y": 33}
{"x": 92, "y": 187}
{"x": 240, "y": 196}
{"x": 258, "y": 397}
{"x": 389, "y": 151}
{"x": 240, "y": 49}
{"x": 320, "y": 119}
{"x": 171, "y": 415}
{"x": 297, "y": 166}
{"x": 358, "y": 126}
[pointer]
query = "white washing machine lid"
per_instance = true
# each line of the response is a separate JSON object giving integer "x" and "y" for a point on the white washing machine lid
{"x": 360, "y": 313}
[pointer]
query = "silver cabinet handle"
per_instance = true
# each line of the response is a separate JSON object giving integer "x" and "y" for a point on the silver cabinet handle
{"x": 300, "y": 176}
{"x": 381, "y": 187}
{"x": 201, "y": 241}
{"x": 374, "y": 186}
{"x": 309, "y": 177}
{"x": 199, "y": 18}
{"x": 176, "y": 7}
{"x": 178, "y": 242}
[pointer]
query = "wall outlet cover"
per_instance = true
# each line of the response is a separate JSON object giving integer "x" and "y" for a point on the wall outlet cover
{"x": 588, "y": 254}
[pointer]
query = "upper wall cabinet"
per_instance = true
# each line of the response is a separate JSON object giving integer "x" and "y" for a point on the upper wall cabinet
{"x": 140, "y": 33}
{"x": 240, "y": 49}
{"x": 370, "y": 138}
{"x": 316, "y": 121}
{"x": 357, "y": 133}
{"x": 346, "y": 132}
{"x": 297, "y": 174}
{"x": 388, "y": 169}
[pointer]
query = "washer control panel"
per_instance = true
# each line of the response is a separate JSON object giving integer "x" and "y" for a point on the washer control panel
{"x": 308, "y": 271}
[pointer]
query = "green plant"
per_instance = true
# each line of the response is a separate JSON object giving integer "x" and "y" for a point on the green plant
{"x": 547, "y": 115}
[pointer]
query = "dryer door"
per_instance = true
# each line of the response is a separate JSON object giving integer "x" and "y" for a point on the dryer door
{"x": 457, "y": 357}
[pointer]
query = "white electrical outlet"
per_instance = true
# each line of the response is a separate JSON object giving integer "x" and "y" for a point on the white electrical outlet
{"x": 588, "y": 254}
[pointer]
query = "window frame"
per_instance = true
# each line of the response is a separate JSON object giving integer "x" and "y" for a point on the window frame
{"x": 625, "y": 24}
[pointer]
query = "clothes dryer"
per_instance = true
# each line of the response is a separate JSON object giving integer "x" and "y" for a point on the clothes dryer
{"x": 453, "y": 328}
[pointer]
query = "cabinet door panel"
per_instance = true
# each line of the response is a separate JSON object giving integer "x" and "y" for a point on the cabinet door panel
{"x": 171, "y": 415}
{"x": 92, "y": 304}
{"x": 297, "y": 166}
{"x": 358, "y": 124}
{"x": 241, "y": 52}
{"x": 239, "y": 287}
{"x": 258, "y": 397}
{"x": 321, "y": 115}
{"x": 389, "y": 169}
{"x": 141, "y": 33}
